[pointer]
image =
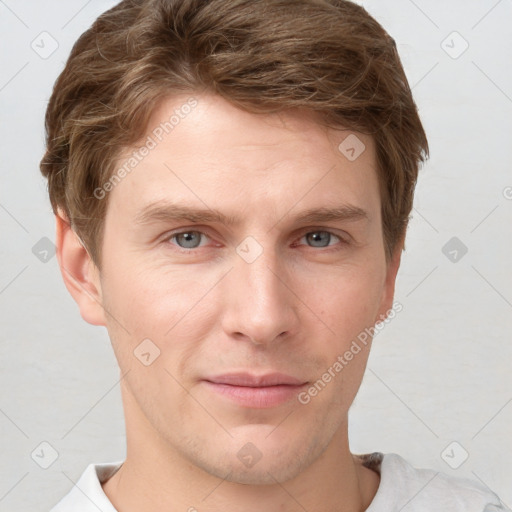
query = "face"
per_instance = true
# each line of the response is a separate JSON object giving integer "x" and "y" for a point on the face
{"x": 226, "y": 320}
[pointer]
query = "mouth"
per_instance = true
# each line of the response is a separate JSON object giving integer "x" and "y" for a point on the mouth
{"x": 255, "y": 391}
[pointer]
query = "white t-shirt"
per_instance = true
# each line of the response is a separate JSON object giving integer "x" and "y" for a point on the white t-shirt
{"x": 402, "y": 488}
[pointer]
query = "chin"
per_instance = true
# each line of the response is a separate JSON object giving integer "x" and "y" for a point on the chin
{"x": 268, "y": 473}
{"x": 266, "y": 465}
{"x": 262, "y": 476}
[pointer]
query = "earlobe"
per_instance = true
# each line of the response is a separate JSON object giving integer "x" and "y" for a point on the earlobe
{"x": 79, "y": 272}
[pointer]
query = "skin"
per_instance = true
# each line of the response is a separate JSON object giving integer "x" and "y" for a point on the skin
{"x": 294, "y": 309}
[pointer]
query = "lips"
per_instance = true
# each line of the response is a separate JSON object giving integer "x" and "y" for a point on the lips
{"x": 256, "y": 381}
{"x": 255, "y": 391}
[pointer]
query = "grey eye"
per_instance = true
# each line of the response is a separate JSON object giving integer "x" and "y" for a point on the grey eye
{"x": 190, "y": 239}
{"x": 319, "y": 238}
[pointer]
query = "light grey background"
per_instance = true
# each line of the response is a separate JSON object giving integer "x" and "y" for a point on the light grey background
{"x": 439, "y": 372}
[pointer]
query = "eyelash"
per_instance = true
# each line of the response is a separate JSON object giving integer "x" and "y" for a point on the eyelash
{"x": 327, "y": 248}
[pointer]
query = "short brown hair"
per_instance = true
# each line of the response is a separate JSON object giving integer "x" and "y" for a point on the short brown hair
{"x": 264, "y": 56}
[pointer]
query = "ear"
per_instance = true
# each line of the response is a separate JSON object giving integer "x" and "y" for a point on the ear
{"x": 79, "y": 272}
{"x": 388, "y": 291}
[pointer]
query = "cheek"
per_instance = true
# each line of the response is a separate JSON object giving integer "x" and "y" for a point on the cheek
{"x": 168, "y": 308}
{"x": 152, "y": 301}
{"x": 347, "y": 305}
{"x": 346, "y": 299}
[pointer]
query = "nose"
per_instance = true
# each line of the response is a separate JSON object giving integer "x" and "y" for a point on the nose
{"x": 259, "y": 303}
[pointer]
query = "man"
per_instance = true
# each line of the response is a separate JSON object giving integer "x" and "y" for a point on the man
{"x": 232, "y": 182}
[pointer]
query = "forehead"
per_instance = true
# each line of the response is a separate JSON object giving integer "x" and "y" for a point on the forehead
{"x": 209, "y": 153}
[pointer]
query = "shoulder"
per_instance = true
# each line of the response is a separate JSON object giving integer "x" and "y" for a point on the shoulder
{"x": 87, "y": 494}
{"x": 409, "y": 489}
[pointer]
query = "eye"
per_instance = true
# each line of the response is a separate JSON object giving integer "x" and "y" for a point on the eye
{"x": 187, "y": 239}
{"x": 321, "y": 238}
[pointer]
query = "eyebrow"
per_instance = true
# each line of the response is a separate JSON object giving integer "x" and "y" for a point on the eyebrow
{"x": 163, "y": 211}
